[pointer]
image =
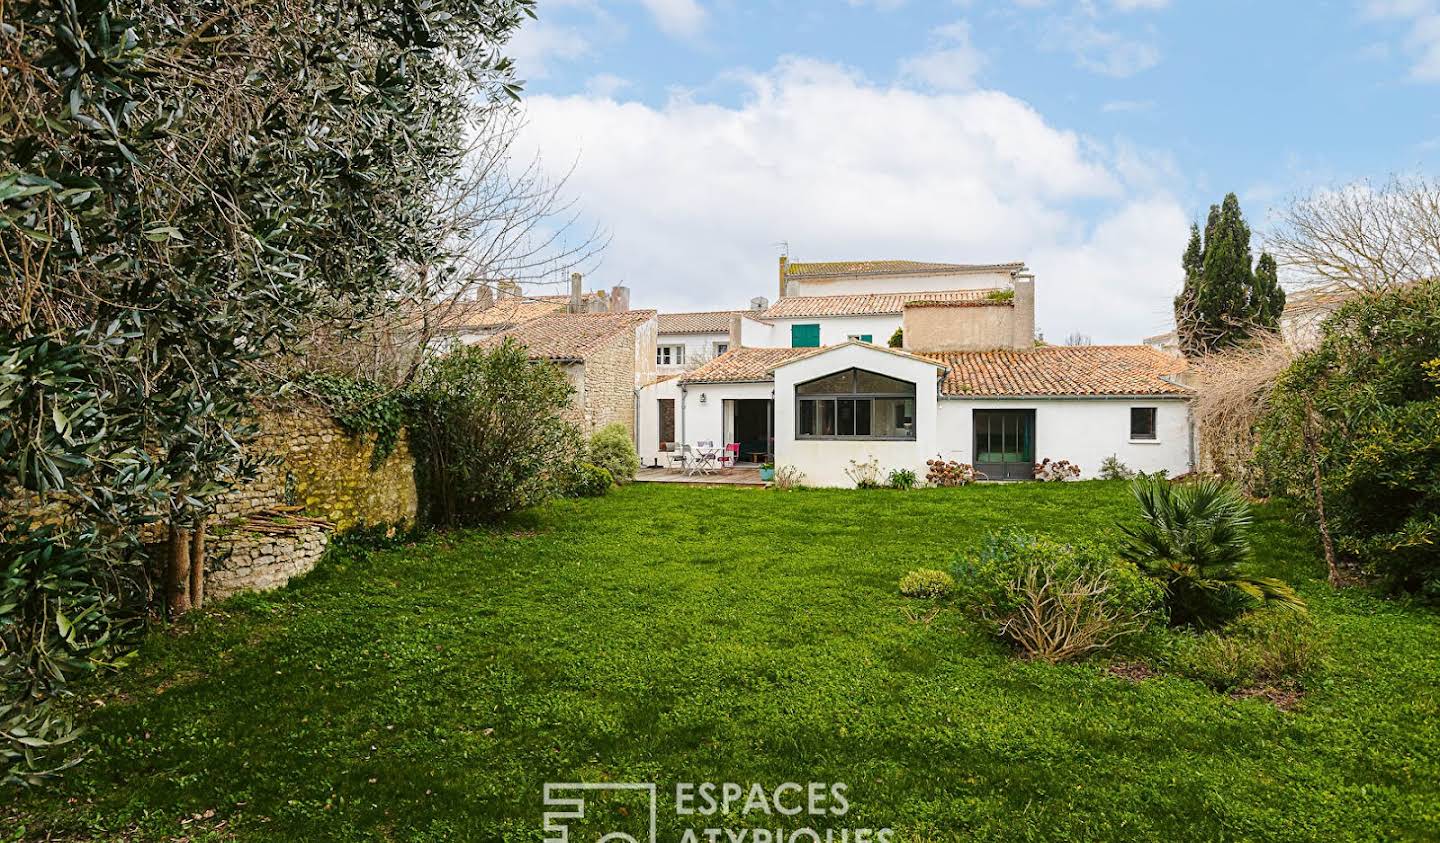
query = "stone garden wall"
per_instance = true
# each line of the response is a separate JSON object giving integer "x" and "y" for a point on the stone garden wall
{"x": 319, "y": 480}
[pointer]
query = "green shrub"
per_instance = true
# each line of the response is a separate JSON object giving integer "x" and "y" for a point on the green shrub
{"x": 612, "y": 449}
{"x": 1113, "y": 469}
{"x": 488, "y": 434}
{"x": 927, "y": 583}
{"x": 897, "y": 339}
{"x": 1193, "y": 538}
{"x": 1054, "y": 601}
{"x": 902, "y": 479}
{"x": 1264, "y": 648}
{"x": 1363, "y": 412}
{"x": 586, "y": 480}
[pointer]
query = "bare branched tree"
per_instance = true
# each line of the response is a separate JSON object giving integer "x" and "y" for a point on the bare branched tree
{"x": 508, "y": 226}
{"x": 1361, "y": 237}
{"x": 1232, "y": 389}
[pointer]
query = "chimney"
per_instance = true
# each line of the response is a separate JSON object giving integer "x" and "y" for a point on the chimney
{"x": 735, "y": 330}
{"x": 784, "y": 262}
{"x": 1024, "y": 324}
{"x": 577, "y": 294}
{"x": 758, "y": 304}
{"x": 484, "y": 295}
{"x": 620, "y": 299}
{"x": 509, "y": 289}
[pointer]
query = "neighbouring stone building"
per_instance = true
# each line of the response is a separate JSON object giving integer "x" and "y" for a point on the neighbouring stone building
{"x": 606, "y": 356}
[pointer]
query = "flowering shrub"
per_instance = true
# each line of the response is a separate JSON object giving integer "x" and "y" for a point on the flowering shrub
{"x": 951, "y": 473}
{"x": 1055, "y": 471}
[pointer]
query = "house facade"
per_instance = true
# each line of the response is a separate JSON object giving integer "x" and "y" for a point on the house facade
{"x": 689, "y": 340}
{"x": 967, "y": 383}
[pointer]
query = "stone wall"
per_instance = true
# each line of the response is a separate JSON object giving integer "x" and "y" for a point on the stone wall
{"x": 609, "y": 395}
{"x": 317, "y": 479}
{"x": 326, "y": 472}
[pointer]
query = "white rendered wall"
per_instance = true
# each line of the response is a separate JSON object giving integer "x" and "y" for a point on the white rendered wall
{"x": 647, "y": 423}
{"x": 898, "y": 284}
{"x": 1083, "y": 431}
{"x": 833, "y": 329}
{"x": 824, "y": 461}
{"x": 706, "y": 422}
{"x": 699, "y": 348}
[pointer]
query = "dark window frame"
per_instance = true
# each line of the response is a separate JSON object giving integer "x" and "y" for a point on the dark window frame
{"x": 853, "y": 398}
{"x": 1153, "y": 435}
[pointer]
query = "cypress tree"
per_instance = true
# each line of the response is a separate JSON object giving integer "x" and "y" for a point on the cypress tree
{"x": 1223, "y": 300}
{"x": 1267, "y": 300}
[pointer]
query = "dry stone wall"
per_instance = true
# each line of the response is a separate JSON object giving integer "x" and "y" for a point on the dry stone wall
{"x": 317, "y": 479}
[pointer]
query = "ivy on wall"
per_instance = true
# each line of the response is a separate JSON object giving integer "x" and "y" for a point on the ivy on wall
{"x": 361, "y": 408}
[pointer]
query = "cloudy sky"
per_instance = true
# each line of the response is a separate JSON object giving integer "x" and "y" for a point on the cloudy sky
{"x": 1081, "y": 137}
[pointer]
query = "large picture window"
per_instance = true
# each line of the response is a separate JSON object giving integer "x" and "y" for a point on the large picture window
{"x": 855, "y": 404}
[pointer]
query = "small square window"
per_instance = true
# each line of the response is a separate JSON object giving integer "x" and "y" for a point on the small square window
{"x": 1142, "y": 423}
{"x": 670, "y": 355}
{"x": 721, "y": 348}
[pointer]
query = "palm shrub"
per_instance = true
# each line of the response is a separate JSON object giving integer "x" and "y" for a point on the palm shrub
{"x": 1055, "y": 601}
{"x": 1193, "y": 538}
{"x": 612, "y": 449}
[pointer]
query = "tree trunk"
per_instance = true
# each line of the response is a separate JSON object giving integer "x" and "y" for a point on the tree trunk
{"x": 177, "y": 573}
{"x": 197, "y": 565}
{"x": 1317, "y": 479}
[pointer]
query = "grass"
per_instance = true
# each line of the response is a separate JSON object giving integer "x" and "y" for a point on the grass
{"x": 675, "y": 634}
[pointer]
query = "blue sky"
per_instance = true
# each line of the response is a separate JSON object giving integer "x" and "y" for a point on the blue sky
{"x": 1081, "y": 137}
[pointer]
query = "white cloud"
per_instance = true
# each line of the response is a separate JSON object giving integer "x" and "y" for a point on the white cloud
{"x": 1422, "y": 40}
{"x": 680, "y": 18}
{"x": 540, "y": 43}
{"x": 1100, "y": 50}
{"x": 605, "y": 85}
{"x": 696, "y": 194}
{"x": 950, "y": 64}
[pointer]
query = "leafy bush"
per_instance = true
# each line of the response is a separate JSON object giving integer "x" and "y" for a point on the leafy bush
{"x": 1048, "y": 471}
{"x": 1264, "y": 648}
{"x": 865, "y": 475}
{"x": 1359, "y": 419}
{"x": 487, "y": 431}
{"x": 1113, "y": 469}
{"x": 897, "y": 339}
{"x": 361, "y": 407}
{"x": 1001, "y": 295}
{"x": 902, "y": 479}
{"x": 1053, "y": 601}
{"x": 950, "y": 473}
{"x": 927, "y": 583}
{"x": 586, "y": 480}
{"x": 612, "y": 449}
{"x": 1193, "y": 539}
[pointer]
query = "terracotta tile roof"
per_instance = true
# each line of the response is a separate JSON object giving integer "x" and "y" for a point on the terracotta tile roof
{"x": 863, "y": 304}
{"x": 741, "y": 365}
{"x": 571, "y": 336}
{"x": 503, "y": 313}
{"x": 1061, "y": 370}
{"x": 709, "y": 322}
{"x": 843, "y": 269}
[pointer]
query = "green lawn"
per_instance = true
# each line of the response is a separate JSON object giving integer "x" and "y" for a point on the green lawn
{"x": 673, "y": 634}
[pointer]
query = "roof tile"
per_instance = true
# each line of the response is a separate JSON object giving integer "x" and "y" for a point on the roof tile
{"x": 570, "y": 336}
{"x": 743, "y": 365}
{"x": 710, "y": 322}
{"x": 864, "y": 304}
{"x": 840, "y": 269}
{"x": 1100, "y": 370}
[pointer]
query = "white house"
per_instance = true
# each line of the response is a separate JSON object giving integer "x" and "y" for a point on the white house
{"x": 968, "y": 384}
{"x": 689, "y": 340}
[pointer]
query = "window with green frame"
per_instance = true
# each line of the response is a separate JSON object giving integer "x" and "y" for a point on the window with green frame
{"x": 805, "y": 336}
{"x": 870, "y": 338}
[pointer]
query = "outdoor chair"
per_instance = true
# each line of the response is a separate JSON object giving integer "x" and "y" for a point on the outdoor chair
{"x": 680, "y": 454}
{"x": 731, "y": 455}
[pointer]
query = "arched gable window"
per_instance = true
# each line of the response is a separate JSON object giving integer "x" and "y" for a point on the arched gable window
{"x": 855, "y": 404}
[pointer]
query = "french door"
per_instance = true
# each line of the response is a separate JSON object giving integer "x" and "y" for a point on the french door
{"x": 1005, "y": 444}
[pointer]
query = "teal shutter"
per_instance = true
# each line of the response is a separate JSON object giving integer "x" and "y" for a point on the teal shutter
{"x": 804, "y": 336}
{"x": 867, "y": 338}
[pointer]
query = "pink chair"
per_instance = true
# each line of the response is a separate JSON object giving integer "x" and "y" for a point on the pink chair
{"x": 731, "y": 455}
